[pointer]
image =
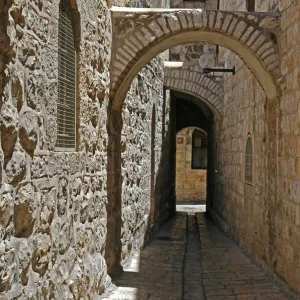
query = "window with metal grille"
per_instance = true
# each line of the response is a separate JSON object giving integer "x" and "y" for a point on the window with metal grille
{"x": 66, "y": 104}
{"x": 250, "y": 4}
{"x": 199, "y": 149}
{"x": 249, "y": 161}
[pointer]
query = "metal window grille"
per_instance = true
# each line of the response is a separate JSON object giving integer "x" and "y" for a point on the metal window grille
{"x": 249, "y": 162}
{"x": 66, "y": 104}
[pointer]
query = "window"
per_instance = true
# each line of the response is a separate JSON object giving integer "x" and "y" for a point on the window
{"x": 199, "y": 150}
{"x": 249, "y": 161}
{"x": 250, "y": 5}
{"x": 66, "y": 104}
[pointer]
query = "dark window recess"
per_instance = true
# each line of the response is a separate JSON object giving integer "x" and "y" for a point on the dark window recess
{"x": 204, "y": 1}
{"x": 66, "y": 104}
{"x": 250, "y": 4}
{"x": 249, "y": 161}
{"x": 199, "y": 150}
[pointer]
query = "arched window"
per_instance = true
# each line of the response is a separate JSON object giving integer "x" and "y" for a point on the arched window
{"x": 249, "y": 161}
{"x": 199, "y": 149}
{"x": 250, "y": 4}
{"x": 66, "y": 104}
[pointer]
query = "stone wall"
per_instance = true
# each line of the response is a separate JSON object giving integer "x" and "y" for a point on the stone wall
{"x": 53, "y": 215}
{"x": 190, "y": 183}
{"x": 145, "y": 138}
{"x": 264, "y": 218}
{"x": 53, "y": 205}
{"x": 192, "y": 52}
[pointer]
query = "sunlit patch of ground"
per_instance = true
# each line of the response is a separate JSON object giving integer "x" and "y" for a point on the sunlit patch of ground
{"x": 191, "y": 209}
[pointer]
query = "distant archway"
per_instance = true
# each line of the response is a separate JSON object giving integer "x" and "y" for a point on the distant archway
{"x": 192, "y": 81}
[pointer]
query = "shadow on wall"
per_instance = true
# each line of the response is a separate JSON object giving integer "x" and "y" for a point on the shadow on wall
{"x": 162, "y": 187}
{"x": 163, "y": 205}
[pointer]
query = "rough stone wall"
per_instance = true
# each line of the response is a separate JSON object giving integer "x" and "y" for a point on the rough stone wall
{"x": 210, "y": 4}
{"x": 53, "y": 204}
{"x": 143, "y": 141}
{"x": 192, "y": 52}
{"x": 142, "y": 144}
{"x": 190, "y": 183}
{"x": 264, "y": 218}
{"x": 53, "y": 215}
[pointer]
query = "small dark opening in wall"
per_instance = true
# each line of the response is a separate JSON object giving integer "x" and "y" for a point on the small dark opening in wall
{"x": 250, "y": 4}
{"x": 204, "y": 1}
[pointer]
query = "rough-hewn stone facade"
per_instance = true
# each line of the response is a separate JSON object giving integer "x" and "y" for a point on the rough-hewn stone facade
{"x": 54, "y": 205}
{"x": 67, "y": 219}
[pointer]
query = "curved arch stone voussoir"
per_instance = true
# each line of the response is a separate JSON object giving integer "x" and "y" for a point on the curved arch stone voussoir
{"x": 138, "y": 35}
{"x": 191, "y": 80}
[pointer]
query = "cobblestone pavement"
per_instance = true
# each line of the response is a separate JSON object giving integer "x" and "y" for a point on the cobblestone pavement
{"x": 176, "y": 265}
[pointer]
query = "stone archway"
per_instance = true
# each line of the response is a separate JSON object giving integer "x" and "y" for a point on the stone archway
{"x": 138, "y": 35}
{"x": 141, "y": 34}
{"x": 191, "y": 80}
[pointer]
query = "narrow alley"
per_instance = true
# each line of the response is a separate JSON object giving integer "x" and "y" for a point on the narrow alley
{"x": 149, "y": 149}
{"x": 192, "y": 259}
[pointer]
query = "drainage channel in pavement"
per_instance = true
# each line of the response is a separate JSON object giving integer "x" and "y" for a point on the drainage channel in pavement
{"x": 191, "y": 259}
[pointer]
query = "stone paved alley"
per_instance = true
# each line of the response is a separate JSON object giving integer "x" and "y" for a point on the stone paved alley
{"x": 178, "y": 265}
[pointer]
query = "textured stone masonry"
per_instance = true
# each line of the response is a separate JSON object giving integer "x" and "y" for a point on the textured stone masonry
{"x": 189, "y": 79}
{"x": 131, "y": 24}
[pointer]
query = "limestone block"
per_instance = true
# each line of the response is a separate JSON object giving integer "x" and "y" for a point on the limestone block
{"x": 6, "y": 209}
{"x": 7, "y": 267}
{"x": 16, "y": 167}
{"x": 41, "y": 254}
{"x": 23, "y": 253}
{"x": 9, "y": 120}
{"x": 24, "y": 211}
{"x": 28, "y": 130}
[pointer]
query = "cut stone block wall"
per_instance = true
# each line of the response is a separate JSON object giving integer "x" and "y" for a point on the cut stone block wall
{"x": 265, "y": 218}
{"x": 192, "y": 52}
